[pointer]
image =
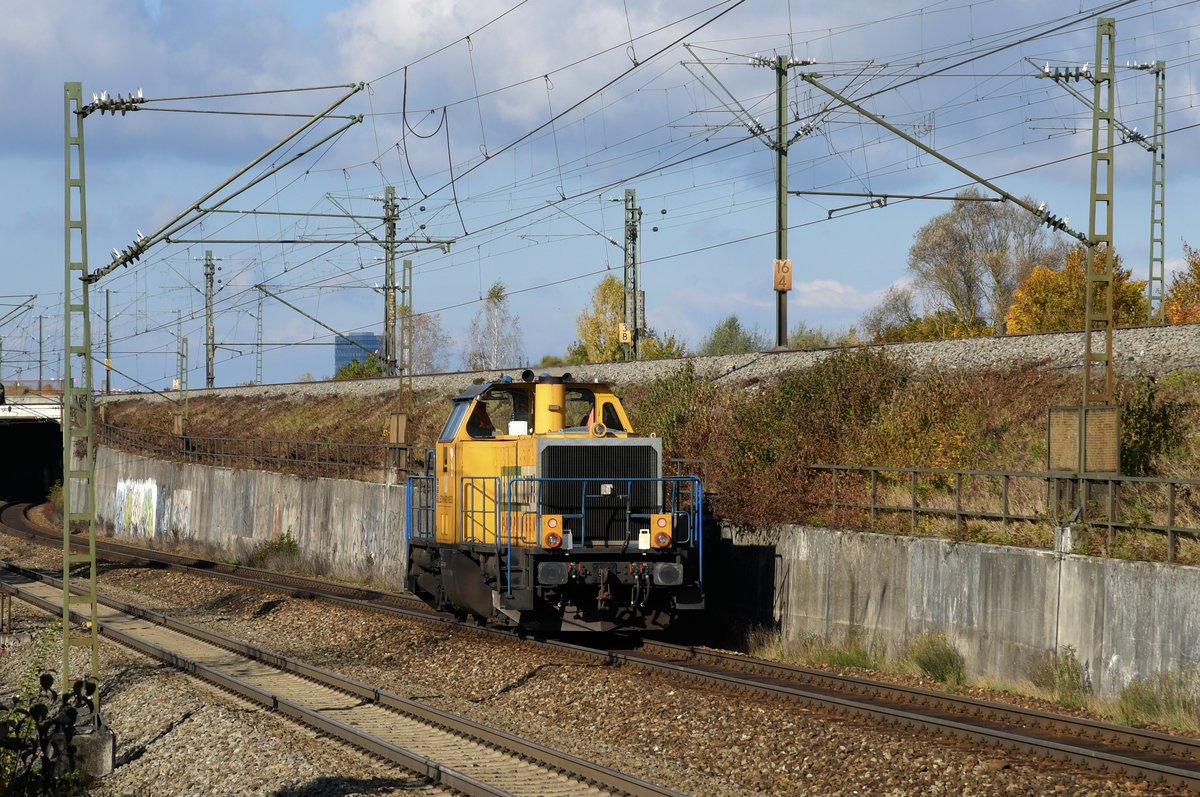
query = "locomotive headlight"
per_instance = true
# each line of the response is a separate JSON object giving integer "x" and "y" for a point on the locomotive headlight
{"x": 661, "y": 530}
{"x": 552, "y": 531}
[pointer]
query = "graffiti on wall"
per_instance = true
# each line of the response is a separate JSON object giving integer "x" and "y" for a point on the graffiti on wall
{"x": 136, "y": 507}
{"x": 177, "y": 515}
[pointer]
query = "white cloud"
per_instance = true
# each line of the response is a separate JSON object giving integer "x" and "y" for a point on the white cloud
{"x": 831, "y": 294}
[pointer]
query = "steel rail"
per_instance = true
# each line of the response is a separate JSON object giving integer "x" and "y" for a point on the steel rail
{"x": 588, "y": 772}
{"x": 1098, "y": 745}
{"x": 12, "y": 520}
{"x": 1010, "y": 715}
{"x": 1082, "y": 751}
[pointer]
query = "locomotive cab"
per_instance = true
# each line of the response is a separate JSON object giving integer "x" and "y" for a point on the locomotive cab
{"x": 545, "y": 510}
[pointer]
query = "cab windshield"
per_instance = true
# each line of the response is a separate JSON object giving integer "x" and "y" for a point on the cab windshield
{"x": 454, "y": 421}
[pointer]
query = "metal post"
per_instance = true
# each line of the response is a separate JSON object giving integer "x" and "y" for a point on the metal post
{"x": 407, "y": 324}
{"x": 1155, "y": 286}
{"x": 259, "y": 346}
{"x": 1171, "y": 522}
{"x": 389, "y": 282}
{"x": 79, "y": 498}
{"x": 182, "y": 411}
{"x": 210, "y": 344}
{"x": 40, "y": 353}
{"x": 630, "y": 305}
{"x": 912, "y": 490}
{"x": 959, "y": 523}
{"x": 107, "y": 342}
{"x": 1098, "y": 282}
{"x": 874, "y": 497}
{"x": 781, "y": 184}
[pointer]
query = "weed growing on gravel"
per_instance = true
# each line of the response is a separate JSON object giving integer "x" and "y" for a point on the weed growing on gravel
{"x": 935, "y": 657}
{"x": 764, "y": 642}
{"x": 1170, "y": 699}
{"x": 277, "y": 553}
{"x": 1065, "y": 678}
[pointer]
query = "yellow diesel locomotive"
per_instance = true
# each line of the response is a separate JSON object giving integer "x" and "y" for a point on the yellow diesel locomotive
{"x": 542, "y": 509}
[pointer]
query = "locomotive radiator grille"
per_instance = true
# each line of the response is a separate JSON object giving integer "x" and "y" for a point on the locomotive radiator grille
{"x": 600, "y": 502}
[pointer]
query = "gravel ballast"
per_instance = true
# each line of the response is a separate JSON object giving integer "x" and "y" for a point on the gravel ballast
{"x": 198, "y": 741}
{"x": 1149, "y": 350}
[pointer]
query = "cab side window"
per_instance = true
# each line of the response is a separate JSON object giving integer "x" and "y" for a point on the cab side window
{"x": 479, "y": 424}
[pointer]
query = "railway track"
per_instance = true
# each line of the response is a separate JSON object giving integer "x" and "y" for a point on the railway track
{"x": 13, "y": 520}
{"x": 1102, "y": 746}
{"x": 1146, "y": 754}
{"x": 450, "y": 751}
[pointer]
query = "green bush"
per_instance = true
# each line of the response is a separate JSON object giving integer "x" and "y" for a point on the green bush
{"x": 936, "y": 658}
{"x": 56, "y": 497}
{"x": 37, "y": 753}
{"x": 1149, "y": 427}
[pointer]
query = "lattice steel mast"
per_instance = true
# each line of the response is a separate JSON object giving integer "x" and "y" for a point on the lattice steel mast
{"x": 1155, "y": 145}
{"x": 79, "y": 488}
{"x": 390, "y": 213}
{"x": 632, "y": 309}
{"x": 1098, "y": 298}
{"x": 1156, "y": 287}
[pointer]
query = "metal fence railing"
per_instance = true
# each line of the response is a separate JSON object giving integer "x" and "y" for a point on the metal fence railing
{"x": 881, "y": 496}
{"x": 363, "y": 461}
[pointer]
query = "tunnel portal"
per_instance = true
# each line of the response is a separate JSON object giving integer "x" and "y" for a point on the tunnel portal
{"x": 31, "y": 456}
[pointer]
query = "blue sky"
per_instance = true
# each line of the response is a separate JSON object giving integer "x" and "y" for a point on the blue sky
{"x": 511, "y": 126}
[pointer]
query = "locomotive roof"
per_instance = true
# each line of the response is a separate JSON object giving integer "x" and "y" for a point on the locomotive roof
{"x": 473, "y": 391}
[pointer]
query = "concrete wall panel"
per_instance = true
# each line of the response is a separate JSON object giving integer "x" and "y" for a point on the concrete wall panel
{"x": 1004, "y": 609}
{"x": 357, "y": 527}
{"x": 1130, "y": 619}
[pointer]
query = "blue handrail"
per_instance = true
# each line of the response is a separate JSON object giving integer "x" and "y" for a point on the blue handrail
{"x": 418, "y": 510}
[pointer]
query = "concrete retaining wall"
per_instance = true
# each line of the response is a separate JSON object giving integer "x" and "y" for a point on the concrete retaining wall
{"x": 357, "y": 527}
{"x": 1002, "y": 608}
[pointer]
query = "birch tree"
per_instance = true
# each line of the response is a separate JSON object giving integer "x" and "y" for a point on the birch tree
{"x": 494, "y": 341}
{"x": 430, "y": 345}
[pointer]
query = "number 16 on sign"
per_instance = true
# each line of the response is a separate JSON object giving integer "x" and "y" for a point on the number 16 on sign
{"x": 783, "y": 275}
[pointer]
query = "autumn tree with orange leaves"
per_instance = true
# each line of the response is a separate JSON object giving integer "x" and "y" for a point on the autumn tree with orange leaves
{"x": 1182, "y": 302}
{"x": 599, "y": 330}
{"x": 1051, "y": 300}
